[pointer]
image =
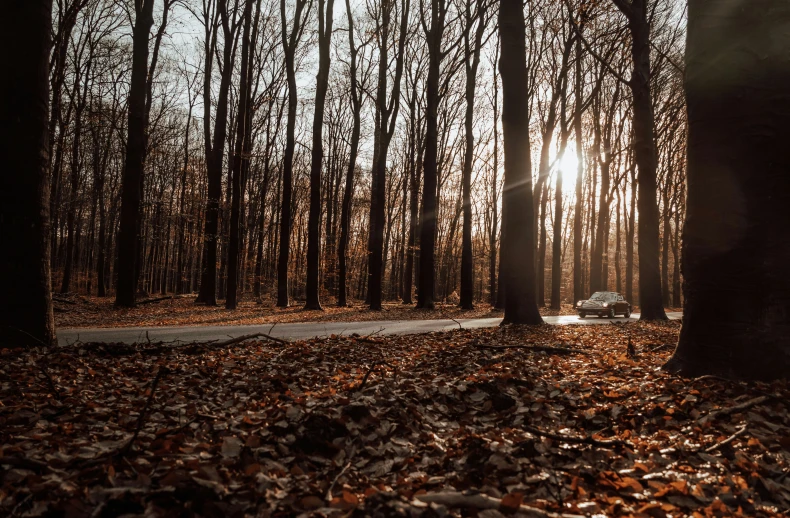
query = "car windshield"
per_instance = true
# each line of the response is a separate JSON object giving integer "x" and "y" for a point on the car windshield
{"x": 602, "y": 295}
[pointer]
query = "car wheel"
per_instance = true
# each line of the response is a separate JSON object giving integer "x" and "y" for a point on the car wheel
{"x": 582, "y": 315}
{"x": 627, "y": 313}
{"x": 611, "y": 313}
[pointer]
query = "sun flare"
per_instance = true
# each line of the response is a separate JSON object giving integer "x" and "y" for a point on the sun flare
{"x": 568, "y": 164}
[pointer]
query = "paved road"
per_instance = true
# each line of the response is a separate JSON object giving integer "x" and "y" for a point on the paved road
{"x": 297, "y": 331}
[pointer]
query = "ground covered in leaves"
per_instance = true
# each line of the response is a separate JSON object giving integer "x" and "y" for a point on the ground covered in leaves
{"x": 77, "y": 311}
{"x": 544, "y": 421}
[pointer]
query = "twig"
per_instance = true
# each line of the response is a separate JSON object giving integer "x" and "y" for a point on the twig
{"x": 481, "y": 501}
{"x": 733, "y": 409}
{"x": 50, "y": 382}
{"x": 158, "y": 299}
{"x": 576, "y": 440}
{"x": 728, "y": 440}
{"x": 328, "y": 496}
{"x": 372, "y": 368}
{"x": 141, "y": 420}
{"x": 547, "y": 348}
{"x": 244, "y": 338}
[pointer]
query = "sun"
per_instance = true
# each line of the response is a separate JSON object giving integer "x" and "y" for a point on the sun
{"x": 568, "y": 164}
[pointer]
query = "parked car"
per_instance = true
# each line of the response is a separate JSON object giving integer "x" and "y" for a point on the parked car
{"x": 604, "y": 304}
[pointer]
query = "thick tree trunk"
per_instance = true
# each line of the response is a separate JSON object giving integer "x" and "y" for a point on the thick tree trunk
{"x": 518, "y": 240}
{"x": 650, "y": 301}
{"x": 132, "y": 183}
{"x": 736, "y": 240}
{"x": 26, "y": 316}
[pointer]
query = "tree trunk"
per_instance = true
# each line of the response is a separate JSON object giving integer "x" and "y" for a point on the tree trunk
{"x": 386, "y": 115}
{"x": 289, "y": 48}
{"x": 736, "y": 241}
{"x": 313, "y": 222}
{"x": 26, "y": 318}
{"x": 650, "y": 301}
{"x": 467, "y": 266}
{"x": 132, "y": 183}
{"x": 237, "y": 163}
{"x": 427, "y": 275}
{"x": 518, "y": 240}
{"x": 345, "y": 211}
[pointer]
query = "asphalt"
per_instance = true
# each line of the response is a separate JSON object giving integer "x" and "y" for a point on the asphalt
{"x": 306, "y": 330}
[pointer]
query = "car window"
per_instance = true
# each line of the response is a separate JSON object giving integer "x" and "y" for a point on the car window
{"x": 619, "y": 297}
{"x": 598, "y": 295}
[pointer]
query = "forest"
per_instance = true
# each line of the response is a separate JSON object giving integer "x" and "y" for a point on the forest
{"x": 269, "y": 189}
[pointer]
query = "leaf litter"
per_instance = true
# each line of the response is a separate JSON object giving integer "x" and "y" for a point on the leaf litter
{"x": 438, "y": 424}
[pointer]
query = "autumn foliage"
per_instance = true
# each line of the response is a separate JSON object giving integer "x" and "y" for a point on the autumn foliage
{"x": 569, "y": 420}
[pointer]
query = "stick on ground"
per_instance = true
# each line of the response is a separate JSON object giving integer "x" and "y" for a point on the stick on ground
{"x": 733, "y": 409}
{"x": 728, "y": 440}
{"x": 481, "y": 501}
{"x": 576, "y": 440}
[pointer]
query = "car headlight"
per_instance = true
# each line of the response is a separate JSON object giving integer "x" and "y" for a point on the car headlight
{"x": 606, "y": 304}
{"x": 579, "y": 303}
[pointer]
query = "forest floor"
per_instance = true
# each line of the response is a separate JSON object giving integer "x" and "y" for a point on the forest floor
{"x": 78, "y": 311}
{"x": 542, "y": 421}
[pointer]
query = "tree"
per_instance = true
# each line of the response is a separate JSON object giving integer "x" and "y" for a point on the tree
{"x": 215, "y": 150}
{"x": 313, "y": 224}
{"x": 356, "y": 109}
{"x": 26, "y": 318}
{"x": 131, "y": 189}
{"x": 386, "y": 116}
{"x": 290, "y": 41}
{"x": 518, "y": 238}
{"x": 237, "y": 161}
{"x": 736, "y": 241}
{"x": 650, "y": 301}
{"x": 434, "y": 35}
{"x": 471, "y": 49}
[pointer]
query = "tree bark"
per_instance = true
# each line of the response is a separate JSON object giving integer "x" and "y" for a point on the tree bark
{"x": 132, "y": 183}
{"x": 473, "y": 51}
{"x": 313, "y": 222}
{"x": 237, "y": 162}
{"x": 736, "y": 241}
{"x": 386, "y": 115}
{"x": 427, "y": 274}
{"x": 290, "y": 41}
{"x": 518, "y": 240}
{"x": 26, "y": 316}
{"x": 650, "y": 300}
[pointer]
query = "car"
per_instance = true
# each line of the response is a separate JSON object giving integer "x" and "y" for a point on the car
{"x": 604, "y": 304}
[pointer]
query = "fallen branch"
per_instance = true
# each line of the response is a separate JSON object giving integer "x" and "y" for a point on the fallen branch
{"x": 728, "y": 440}
{"x": 328, "y": 496}
{"x": 546, "y": 348}
{"x": 52, "y": 388}
{"x": 141, "y": 420}
{"x": 158, "y": 299}
{"x": 244, "y": 338}
{"x": 372, "y": 368}
{"x": 733, "y": 409}
{"x": 481, "y": 501}
{"x": 576, "y": 440}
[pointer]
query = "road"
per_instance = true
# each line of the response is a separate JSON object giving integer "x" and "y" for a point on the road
{"x": 300, "y": 331}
